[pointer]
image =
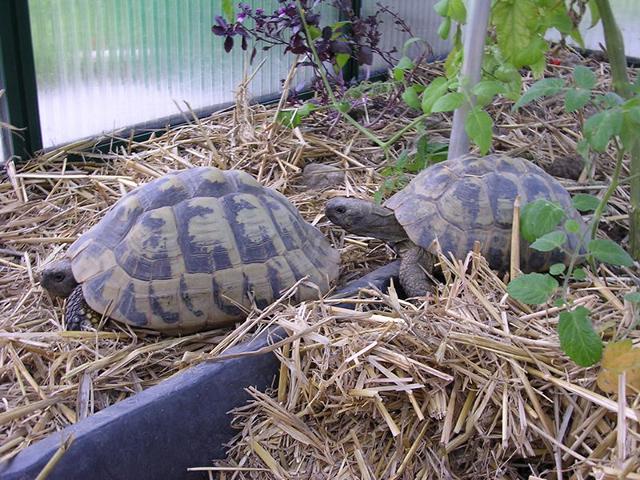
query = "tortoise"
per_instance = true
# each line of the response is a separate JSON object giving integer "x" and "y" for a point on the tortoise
{"x": 451, "y": 205}
{"x": 189, "y": 251}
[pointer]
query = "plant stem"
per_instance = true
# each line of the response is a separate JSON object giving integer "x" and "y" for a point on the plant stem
{"x": 634, "y": 208}
{"x": 620, "y": 81}
{"x": 401, "y": 132}
{"x": 615, "y": 50}
{"x": 327, "y": 85}
{"x": 612, "y": 188}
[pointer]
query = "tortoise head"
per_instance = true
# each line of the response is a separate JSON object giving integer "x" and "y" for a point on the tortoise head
{"x": 58, "y": 279}
{"x": 365, "y": 218}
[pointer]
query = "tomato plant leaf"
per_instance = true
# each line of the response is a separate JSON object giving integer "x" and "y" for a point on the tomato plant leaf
{"x": 578, "y": 339}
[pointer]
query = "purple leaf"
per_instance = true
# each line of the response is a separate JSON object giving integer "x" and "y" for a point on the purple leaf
{"x": 365, "y": 55}
{"x": 228, "y": 44}
{"x": 340, "y": 47}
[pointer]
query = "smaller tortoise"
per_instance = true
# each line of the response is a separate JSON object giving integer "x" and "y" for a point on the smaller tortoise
{"x": 190, "y": 251}
{"x": 453, "y": 204}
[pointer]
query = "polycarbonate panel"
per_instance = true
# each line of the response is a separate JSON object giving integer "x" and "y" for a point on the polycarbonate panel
{"x": 421, "y": 19}
{"x": 107, "y": 64}
{"x": 627, "y": 14}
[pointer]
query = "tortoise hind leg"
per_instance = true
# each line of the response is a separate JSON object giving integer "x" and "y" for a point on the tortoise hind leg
{"x": 78, "y": 314}
{"x": 413, "y": 278}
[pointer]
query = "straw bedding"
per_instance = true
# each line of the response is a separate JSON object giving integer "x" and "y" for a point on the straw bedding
{"x": 468, "y": 384}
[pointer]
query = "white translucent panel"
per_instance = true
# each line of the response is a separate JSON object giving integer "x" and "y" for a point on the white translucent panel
{"x": 107, "y": 64}
{"x": 421, "y": 19}
{"x": 627, "y": 14}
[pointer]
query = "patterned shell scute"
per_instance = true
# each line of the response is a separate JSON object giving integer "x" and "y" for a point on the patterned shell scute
{"x": 190, "y": 250}
{"x": 469, "y": 199}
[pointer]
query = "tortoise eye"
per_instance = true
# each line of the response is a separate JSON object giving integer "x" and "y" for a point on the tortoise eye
{"x": 58, "y": 277}
{"x": 341, "y": 210}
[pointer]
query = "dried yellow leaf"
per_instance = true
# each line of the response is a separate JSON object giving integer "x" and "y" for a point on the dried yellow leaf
{"x": 619, "y": 357}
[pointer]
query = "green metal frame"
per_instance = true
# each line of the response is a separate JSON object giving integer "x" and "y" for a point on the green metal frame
{"x": 16, "y": 61}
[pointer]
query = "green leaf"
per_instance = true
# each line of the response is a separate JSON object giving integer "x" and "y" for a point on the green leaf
{"x": 572, "y": 226}
{"x": 532, "y": 288}
{"x": 411, "y": 98}
{"x": 457, "y": 11}
{"x": 479, "y": 127}
{"x": 306, "y": 109}
{"x": 578, "y": 339}
{"x": 584, "y": 77}
{"x": 445, "y": 28}
{"x": 611, "y": 99}
{"x": 454, "y": 60}
{"x": 542, "y": 88}
{"x": 599, "y": 128}
{"x": 548, "y": 242}
{"x": 595, "y": 13}
{"x": 292, "y": 118}
{"x": 405, "y": 63}
{"x": 633, "y": 297}
{"x": 342, "y": 59}
{"x": 558, "y": 18}
{"x": 632, "y": 113}
{"x": 609, "y": 252}
{"x": 288, "y": 118}
{"x": 410, "y": 42}
{"x": 511, "y": 79}
{"x": 579, "y": 274}
{"x": 486, "y": 90}
{"x": 436, "y": 89}
{"x": 532, "y": 54}
{"x": 585, "y": 202}
{"x": 442, "y": 8}
{"x": 539, "y": 218}
{"x": 227, "y": 10}
{"x": 343, "y": 106}
{"x": 315, "y": 32}
{"x": 628, "y": 133}
{"x": 515, "y": 27}
{"x": 576, "y": 99}
{"x": 448, "y": 103}
{"x": 582, "y": 147}
{"x": 557, "y": 268}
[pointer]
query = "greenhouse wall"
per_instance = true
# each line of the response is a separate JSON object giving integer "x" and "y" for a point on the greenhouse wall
{"x": 107, "y": 64}
{"x": 421, "y": 19}
{"x": 5, "y": 145}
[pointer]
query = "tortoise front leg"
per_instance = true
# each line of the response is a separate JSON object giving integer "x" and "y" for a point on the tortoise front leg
{"x": 78, "y": 314}
{"x": 413, "y": 278}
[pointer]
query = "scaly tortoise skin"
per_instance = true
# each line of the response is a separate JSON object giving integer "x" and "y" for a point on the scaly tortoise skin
{"x": 457, "y": 203}
{"x": 187, "y": 251}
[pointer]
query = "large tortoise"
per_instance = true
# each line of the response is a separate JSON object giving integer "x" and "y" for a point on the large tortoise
{"x": 190, "y": 251}
{"x": 456, "y": 202}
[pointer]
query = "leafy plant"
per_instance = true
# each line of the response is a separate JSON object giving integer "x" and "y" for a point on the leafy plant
{"x": 545, "y": 225}
{"x": 410, "y": 161}
{"x": 516, "y": 40}
{"x": 353, "y": 38}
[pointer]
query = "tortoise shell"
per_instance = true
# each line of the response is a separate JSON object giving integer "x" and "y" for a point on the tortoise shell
{"x": 189, "y": 250}
{"x": 468, "y": 199}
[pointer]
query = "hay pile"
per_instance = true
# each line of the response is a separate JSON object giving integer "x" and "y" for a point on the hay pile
{"x": 470, "y": 384}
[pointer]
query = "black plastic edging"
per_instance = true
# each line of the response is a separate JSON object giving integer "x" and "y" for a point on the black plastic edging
{"x": 160, "y": 432}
